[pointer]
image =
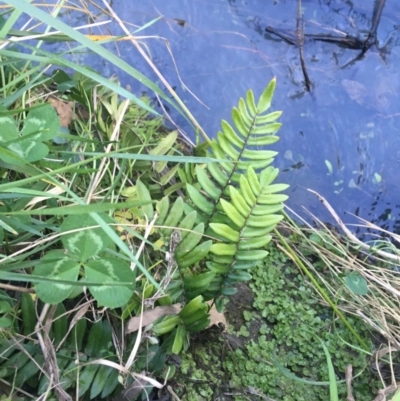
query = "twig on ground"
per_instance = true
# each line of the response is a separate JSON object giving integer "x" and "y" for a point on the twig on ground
{"x": 49, "y": 354}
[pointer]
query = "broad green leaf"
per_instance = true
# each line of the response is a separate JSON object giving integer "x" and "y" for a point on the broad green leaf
{"x": 258, "y": 154}
{"x": 194, "y": 256}
{"x": 227, "y": 147}
{"x": 271, "y": 189}
{"x": 55, "y": 265}
{"x": 29, "y": 150}
{"x": 5, "y": 307}
{"x": 187, "y": 224}
{"x": 110, "y": 270}
{"x": 87, "y": 240}
{"x": 43, "y": 123}
{"x": 190, "y": 241}
{"x": 199, "y": 200}
{"x": 8, "y": 129}
{"x": 357, "y": 283}
{"x": 5, "y": 322}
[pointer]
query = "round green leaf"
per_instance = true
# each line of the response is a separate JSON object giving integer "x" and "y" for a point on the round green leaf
{"x": 5, "y": 322}
{"x": 56, "y": 265}
{"x": 110, "y": 271}
{"x": 41, "y": 124}
{"x": 357, "y": 283}
{"x": 34, "y": 151}
{"x": 86, "y": 241}
{"x": 5, "y": 307}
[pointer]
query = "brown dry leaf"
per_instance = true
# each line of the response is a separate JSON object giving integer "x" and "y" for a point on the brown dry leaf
{"x": 64, "y": 110}
{"x": 217, "y": 318}
{"x": 150, "y": 316}
{"x": 387, "y": 391}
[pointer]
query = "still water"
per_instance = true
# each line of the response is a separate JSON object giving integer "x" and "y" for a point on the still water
{"x": 341, "y": 138}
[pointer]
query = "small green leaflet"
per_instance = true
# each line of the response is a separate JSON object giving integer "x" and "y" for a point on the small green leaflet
{"x": 357, "y": 283}
{"x": 110, "y": 270}
{"x": 329, "y": 166}
{"x": 64, "y": 268}
{"x": 20, "y": 147}
{"x": 85, "y": 242}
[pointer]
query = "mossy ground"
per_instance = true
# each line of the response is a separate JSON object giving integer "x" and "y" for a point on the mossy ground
{"x": 275, "y": 316}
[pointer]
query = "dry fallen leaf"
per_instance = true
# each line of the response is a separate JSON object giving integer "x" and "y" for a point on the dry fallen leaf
{"x": 217, "y": 318}
{"x": 150, "y": 316}
{"x": 63, "y": 109}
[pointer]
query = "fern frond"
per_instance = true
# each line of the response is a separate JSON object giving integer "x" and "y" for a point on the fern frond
{"x": 234, "y": 197}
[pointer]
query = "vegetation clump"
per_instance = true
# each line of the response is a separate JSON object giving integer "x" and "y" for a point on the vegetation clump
{"x": 288, "y": 315}
{"x": 271, "y": 349}
{"x": 117, "y": 246}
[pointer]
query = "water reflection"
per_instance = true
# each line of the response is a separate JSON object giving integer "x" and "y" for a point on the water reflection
{"x": 349, "y": 120}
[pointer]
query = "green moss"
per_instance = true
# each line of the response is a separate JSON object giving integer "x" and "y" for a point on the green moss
{"x": 288, "y": 310}
{"x": 284, "y": 312}
{"x": 200, "y": 372}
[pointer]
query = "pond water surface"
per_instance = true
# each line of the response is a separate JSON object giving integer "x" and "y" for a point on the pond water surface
{"x": 341, "y": 138}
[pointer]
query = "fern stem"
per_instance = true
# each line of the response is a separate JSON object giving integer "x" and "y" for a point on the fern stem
{"x": 321, "y": 290}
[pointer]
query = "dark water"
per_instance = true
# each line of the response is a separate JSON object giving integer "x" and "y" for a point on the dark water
{"x": 350, "y": 121}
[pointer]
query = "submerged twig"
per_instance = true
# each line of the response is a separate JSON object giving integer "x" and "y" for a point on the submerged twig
{"x": 300, "y": 41}
{"x": 347, "y": 41}
{"x": 376, "y": 18}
